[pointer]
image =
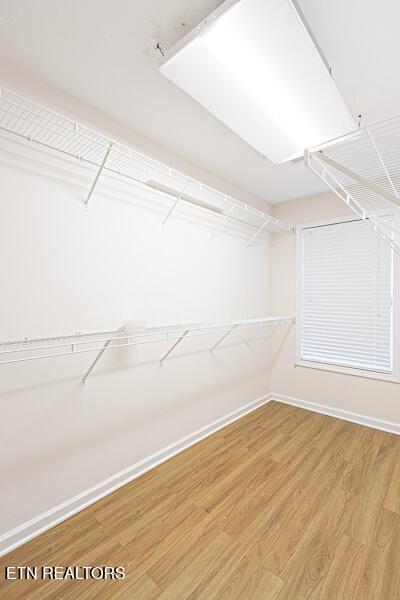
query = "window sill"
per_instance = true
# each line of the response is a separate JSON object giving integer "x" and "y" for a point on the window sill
{"x": 389, "y": 377}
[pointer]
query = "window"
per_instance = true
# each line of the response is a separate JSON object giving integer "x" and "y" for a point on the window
{"x": 346, "y": 297}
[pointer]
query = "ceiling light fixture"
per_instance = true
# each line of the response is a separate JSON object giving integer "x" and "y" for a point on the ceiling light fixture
{"x": 255, "y": 65}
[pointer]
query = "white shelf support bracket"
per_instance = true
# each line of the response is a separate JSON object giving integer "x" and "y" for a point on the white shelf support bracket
{"x": 221, "y": 339}
{"x": 368, "y": 184}
{"x": 257, "y": 233}
{"x": 96, "y": 179}
{"x": 222, "y": 221}
{"x": 259, "y": 330}
{"x": 379, "y": 155}
{"x": 96, "y": 360}
{"x": 178, "y": 341}
{"x": 174, "y": 205}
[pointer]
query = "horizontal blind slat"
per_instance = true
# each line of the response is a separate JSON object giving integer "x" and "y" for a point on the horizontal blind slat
{"x": 346, "y": 297}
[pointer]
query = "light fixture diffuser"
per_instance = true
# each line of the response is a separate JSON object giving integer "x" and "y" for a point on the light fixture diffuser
{"x": 255, "y": 66}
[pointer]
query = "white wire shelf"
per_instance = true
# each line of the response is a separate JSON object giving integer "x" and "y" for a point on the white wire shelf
{"x": 35, "y": 123}
{"x": 28, "y": 349}
{"x": 363, "y": 170}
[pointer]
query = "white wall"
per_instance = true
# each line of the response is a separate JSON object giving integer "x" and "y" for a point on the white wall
{"x": 351, "y": 393}
{"x": 65, "y": 269}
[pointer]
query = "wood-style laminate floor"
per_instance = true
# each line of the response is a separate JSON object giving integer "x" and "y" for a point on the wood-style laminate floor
{"x": 283, "y": 504}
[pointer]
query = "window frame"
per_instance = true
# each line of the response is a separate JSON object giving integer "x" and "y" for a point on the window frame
{"x": 394, "y": 376}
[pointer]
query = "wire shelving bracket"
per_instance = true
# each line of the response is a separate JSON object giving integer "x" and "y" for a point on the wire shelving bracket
{"x": 363, "y": 170}
{"x": 28, "y": 120}
{"x": 29, "y": 349}
{"x": 96, "y": 179}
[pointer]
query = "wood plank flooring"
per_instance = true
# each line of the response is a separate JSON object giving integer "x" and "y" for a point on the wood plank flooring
{"x": 283, "y": 504}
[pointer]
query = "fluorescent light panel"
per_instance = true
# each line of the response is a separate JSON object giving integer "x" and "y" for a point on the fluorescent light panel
{"x": 254, "y": 65}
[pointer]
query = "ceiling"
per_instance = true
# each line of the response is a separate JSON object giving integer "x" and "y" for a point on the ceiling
{"x": 103, "y": 54}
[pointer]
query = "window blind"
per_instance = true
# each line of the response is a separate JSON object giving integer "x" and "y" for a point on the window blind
{"x": 346, "y": 297}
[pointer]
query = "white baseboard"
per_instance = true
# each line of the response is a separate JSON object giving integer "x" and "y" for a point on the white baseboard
{"x": 30, "y": 529}
{"x": 339, "y": 413}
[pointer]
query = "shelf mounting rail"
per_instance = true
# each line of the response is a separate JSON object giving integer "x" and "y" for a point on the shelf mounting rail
{"x": 29, "y": 349}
